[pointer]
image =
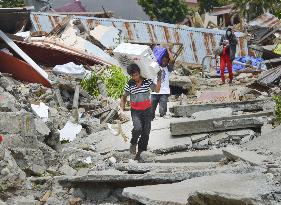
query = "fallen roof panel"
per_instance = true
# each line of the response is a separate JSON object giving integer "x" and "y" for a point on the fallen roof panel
{"x": 197, "y": 42}
{"x": 25, "y": 57}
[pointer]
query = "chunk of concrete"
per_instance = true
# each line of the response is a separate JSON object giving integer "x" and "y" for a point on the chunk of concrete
{"x": 212, "y": 114}
{"x": 8, "y": 103}
{"x": 219, "y": 138}
{"x": 41, "y": 127}
{"x": 67, "y": 170}
{"x": 268, "y": 142}
{"x": 183, "y": 82}
{"x": 187, "y": 126}
{"x": 188, "y": 110}
{"x": 23, "y": 123}
{"x": 234, "y": 153}
{"x": 198, "y": 156}
{"x": 218, "y": 189}
{"x": 199, "y": 137}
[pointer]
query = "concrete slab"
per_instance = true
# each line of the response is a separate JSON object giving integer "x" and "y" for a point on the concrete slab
{"x": 188, "y": 110}
{"x": 212, "y": 190}
{"x": 126, "y": 180}
{"x": 161, "y": 141}
{"x": 234, "y": 153}
{"x": 187, "y": 126}
{"x": 268, "y": 142}
{"x": 212, "y": 114}
{"x": 198, "y": 156}
{"x": 163, "y": 167}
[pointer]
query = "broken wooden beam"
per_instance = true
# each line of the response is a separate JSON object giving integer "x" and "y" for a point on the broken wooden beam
{"x": 192, "y": 126}
{"x": 188, "y": 110}
{"x": 59, "y": 98}
{"x": 76, "y": 97}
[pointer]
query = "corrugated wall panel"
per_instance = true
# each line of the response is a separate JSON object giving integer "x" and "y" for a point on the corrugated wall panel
{"x": 197, "y": 42}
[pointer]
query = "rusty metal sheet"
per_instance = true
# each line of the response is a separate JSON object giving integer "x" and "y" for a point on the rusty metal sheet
{"x": 197, "y": 42}
{"x": 20, "y": 70}
{"x": 266, "y": 20}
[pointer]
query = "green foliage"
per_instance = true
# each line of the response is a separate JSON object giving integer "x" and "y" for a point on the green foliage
{"x": 115, "y": 81}
{"x": 169, "y": 11}
{"x": 11, "y": 3}
{"x": 90, "y": 84}
{"x": 113, "y": 78}
{"x": 277, "y": 100}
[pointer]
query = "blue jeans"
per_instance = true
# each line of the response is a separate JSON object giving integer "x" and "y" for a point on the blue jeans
{"x": 142, "y": 126}
{"x": 162, "y": 100}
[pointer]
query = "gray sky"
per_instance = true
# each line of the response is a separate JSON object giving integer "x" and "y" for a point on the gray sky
{"x": 128, "y": 9}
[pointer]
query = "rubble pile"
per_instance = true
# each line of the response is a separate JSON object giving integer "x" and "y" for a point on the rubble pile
{"x": 60, "y": 144}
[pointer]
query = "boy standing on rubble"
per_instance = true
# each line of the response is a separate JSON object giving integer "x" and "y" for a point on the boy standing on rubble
{"x": 166, "y": 61}
{"x": 229, "y": 42}
{"x": 138, "y": 88}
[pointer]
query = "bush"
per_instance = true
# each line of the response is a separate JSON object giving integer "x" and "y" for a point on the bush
{"x": 113, "y": 78}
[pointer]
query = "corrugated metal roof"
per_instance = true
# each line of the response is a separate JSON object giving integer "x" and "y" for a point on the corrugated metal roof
{"x": 197, "y": 42}
{"x": 266, "y": 20}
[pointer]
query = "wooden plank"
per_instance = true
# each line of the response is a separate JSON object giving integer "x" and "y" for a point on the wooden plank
{"x": 76, "y": 97}
{"x": 59, "y": 98}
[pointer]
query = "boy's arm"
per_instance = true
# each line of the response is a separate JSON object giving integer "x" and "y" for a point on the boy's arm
{"x": 156, "y": 87}
{"x": 123, "y": 99}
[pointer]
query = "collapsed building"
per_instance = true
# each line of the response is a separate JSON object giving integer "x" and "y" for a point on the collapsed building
{"x": 59, "y": 144}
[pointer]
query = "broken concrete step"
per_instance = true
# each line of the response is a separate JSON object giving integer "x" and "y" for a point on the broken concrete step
{"x": 198, "y": 156}
{"x": 190, "y": 126}
{"x": 212, "y": 190}
{"x": 163, "y": 167}
{"x": 234, "y": 153}
{"x": 188, "y": 110}
{"x": 126, "y": 180}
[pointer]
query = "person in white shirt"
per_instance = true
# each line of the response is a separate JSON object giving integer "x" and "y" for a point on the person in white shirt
{"x": 161, "y": 98}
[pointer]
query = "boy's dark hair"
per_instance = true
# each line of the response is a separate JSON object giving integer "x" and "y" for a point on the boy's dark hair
{"x": 133, "y": 68}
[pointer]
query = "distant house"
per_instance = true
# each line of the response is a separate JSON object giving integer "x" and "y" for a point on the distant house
{"x": 226, "y": 15}
{"x": 192, "y": 4}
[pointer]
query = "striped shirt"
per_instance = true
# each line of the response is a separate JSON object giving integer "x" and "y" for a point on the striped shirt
{"x": 139, "y": 96}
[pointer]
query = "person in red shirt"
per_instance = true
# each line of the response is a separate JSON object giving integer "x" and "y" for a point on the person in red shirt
{"x": 139, "y": 88}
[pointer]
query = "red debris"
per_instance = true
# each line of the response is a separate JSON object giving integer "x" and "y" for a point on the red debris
{"x": 1, "y": 138}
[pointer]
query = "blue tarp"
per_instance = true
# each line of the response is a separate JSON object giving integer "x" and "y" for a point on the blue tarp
{"x": 243, "y": 59}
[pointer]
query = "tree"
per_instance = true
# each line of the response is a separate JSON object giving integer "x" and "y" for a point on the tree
{"x": 169, "y": 11}
{"x": 11, "y": 3}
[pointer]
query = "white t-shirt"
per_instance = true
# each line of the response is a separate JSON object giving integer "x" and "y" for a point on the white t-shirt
{"x": 165, "y": 85}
